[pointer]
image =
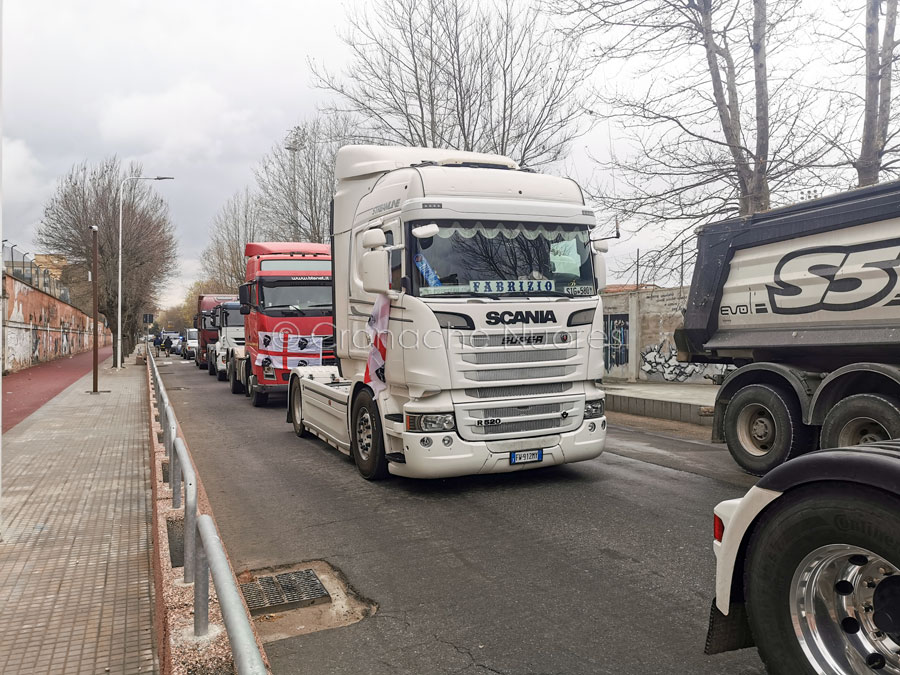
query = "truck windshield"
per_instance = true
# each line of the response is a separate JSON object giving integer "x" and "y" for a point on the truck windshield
{"x": 470, "y": 257}
{"x": 192, "y": 334}
{"x": 233, "y": 317}
{"x": 295, "y": 298}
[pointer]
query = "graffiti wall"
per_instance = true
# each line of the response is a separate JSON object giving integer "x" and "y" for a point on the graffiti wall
{"x": 639, "y": 345}
{"x": 37, "y": 327}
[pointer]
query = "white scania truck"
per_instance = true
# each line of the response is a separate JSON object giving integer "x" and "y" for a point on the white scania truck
{"x": 805, "y": 301}
{"x": 494, "y": 352}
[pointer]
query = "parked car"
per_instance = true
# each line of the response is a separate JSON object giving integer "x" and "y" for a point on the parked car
{"x": 189, "y": 343}
{"x": 177, "y": 345}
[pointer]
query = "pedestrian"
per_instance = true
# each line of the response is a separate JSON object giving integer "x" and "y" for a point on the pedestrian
{"x": 167, "y": 345}
{"x": 157, "y": 342}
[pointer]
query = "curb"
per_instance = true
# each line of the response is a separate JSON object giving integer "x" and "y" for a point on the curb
{"x": 691, "y": 413}
{"x": 178, "y": 650}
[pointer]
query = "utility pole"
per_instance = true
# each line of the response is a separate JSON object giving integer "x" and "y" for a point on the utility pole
{"x": 96, "y": 283}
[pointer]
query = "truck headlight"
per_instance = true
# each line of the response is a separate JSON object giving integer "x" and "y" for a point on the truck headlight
{"x": 430, "y": 422}
{"x": 593, "y": 409}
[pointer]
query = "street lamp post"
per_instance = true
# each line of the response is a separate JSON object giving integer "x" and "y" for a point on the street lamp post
{"x": 119, "y": 307}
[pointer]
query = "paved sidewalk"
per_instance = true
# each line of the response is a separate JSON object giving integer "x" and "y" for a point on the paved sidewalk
{"x": 75, "y": 577}
{"x": 27, "y": 390}
{"x": 663, "y": 400}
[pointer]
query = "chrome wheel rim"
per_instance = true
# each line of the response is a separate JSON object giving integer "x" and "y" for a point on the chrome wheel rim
{"x": 862, "y": 430}
{"x": 844, "y": 623}
{"x": 756, "y": 429}
{"x": 364, "y": 434}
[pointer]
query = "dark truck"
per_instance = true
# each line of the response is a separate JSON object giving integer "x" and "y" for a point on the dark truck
{"x": 805, "y": 302}
{"x": 205, "y": 325}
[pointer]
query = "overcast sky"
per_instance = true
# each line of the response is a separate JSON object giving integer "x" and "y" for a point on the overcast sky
{"x": 197, "y": 89}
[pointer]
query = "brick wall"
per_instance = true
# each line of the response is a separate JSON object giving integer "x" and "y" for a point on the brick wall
{"x": 37, "y": 327}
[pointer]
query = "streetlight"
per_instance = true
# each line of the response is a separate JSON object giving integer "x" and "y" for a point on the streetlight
{"x": 119, "y": 310}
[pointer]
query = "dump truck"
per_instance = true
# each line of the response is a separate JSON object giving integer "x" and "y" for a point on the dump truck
{"x": 804, "y": 303}
{"x": 467, "y": 322}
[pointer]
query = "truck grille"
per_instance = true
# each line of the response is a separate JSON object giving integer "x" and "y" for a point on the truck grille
{"x": 519, "y": 390}
{"x": 518, "y": 373}
{"x": 523, "y": 356}
{"x": 524, "y": 339}
{"x": 522, "y": 411}
{"x": 517, "y": 427}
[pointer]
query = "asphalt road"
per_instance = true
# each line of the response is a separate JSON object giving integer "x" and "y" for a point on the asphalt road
{"x": 599, "y": 567}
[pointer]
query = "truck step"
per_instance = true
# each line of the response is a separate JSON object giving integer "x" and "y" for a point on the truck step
{"x": 394, "y": 417}
{"x": 396, "y": 457}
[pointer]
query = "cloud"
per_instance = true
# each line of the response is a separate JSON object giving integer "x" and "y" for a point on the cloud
{"x": 191, "y": 122}
{"x": 25, "y": 187}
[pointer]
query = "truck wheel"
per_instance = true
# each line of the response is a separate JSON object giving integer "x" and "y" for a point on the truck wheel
{"x": 863, "y": 418}
{"x": 367, "y": 441}
{"x": 222, "y": 375}
{"x": 257, "y": 398}
{"x": 296, "y": 404}
{"x": 764, "y": 428}
{"x": 210, "y": 366}
{"x": 236, "y": 386}
{"x": 820, "y": 582}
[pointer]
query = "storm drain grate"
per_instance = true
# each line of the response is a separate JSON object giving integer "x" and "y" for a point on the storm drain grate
{"x": 284, "y": 591}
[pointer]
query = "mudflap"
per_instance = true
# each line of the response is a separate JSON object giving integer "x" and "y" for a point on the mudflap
{"x": 727, "y": 633}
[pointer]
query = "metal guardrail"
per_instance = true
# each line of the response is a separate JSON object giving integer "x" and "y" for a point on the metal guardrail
{"x": 203, "y": 550}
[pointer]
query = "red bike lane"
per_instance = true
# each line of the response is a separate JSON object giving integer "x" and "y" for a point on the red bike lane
{"x": 27, "y": 390}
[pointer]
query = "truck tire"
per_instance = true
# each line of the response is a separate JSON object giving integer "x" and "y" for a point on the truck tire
{"x": 235, "y": 384}
{"x": 820, "y": 568}
{"x": 366, "y": 437}
{"x": 210, "y": 366}
{"x": 257, "y": 398}
{"x": 862, "y": 418}
{"x": 296, "y": 403}
{"x": 222, "y": 375}
{"x": 764, "y": 428}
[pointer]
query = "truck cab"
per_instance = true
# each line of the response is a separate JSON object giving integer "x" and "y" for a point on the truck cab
{"x": 229, "y": 323}
{"x": 207, "y": 333}
{"x": 287, "y": 307}
{"x": 487, "y": 280}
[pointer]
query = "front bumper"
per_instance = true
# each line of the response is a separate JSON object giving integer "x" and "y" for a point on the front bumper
{"x": 463, "y": 458}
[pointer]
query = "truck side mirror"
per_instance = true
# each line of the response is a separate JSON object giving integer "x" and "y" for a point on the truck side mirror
{"x": 373, "y": 269}
{"x": 244, "y": 294}
{"x": 373, "y": 238}
{"x": 245, "y": 309}
{"x": 600, "y": 270}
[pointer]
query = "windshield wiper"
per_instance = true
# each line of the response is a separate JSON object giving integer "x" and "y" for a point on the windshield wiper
{"x": 284, "y": 307}
{"x": 321, "y": 304}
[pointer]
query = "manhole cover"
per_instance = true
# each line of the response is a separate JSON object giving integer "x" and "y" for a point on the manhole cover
{"x": 280, "y": 592}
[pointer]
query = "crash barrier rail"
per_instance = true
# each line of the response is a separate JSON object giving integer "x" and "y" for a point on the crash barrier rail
{"x": 203, "y": 550}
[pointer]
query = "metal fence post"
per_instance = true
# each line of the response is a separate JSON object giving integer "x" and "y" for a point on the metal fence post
{"x": 175, "y": 480}
{"x": 201, "y": 590}
{"x": 170, "y": 424}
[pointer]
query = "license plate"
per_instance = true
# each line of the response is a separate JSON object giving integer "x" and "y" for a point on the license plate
{"x": 526, "y": 456}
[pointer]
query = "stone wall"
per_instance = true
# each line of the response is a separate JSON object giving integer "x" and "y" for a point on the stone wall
{"x": 639, "y": 344}
{"x": 37, "y": 327}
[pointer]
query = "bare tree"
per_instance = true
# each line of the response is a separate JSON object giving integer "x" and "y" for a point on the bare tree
{"x": 458, "y": 74}
{"x": 861, "y": 77}
{"x": 89, "y": 195}
{"x": 712, "y": 130}
{"x": 295, "y": 180}
{"x": 237, "y": 223}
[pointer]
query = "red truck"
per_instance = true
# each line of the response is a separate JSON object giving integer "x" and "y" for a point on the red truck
{"x": 203, "y": 322}
{"x": 287, "y": 302}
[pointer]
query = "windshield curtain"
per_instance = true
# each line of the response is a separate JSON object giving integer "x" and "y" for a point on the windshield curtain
{"x": 289, "y": 297}
{"x": 472, "y": 257}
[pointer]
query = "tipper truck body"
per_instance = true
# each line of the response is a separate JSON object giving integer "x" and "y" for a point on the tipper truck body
{"x": 804, "y": 301}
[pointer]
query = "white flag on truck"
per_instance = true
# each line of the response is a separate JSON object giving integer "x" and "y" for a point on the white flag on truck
{"x": 377, "y": 329}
